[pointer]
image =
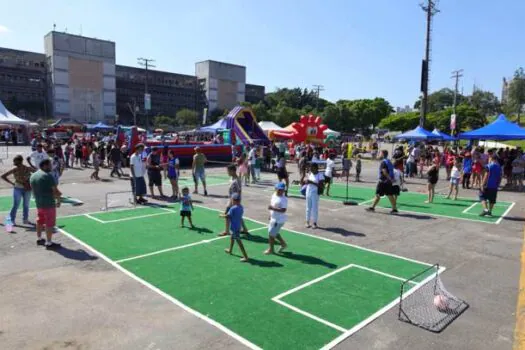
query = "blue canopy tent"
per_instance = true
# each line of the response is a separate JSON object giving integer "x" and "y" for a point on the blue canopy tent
{"x": 102, "y": 126}
{"x": 444, "y": 136}
{"x": 418, "y": 134}
{"x": 219, "y": 125}
{"x": 500, "y": 129}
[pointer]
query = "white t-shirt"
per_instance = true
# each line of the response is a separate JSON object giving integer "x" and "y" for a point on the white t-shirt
{"x": 397, "y": 178}
{"x": 251, "y": 156}
{"x": 138, "y": 165}
{"x": 37, "y": 157}
{"x": 455, "y": 173}
{"x": 329, "y": 170}
{"x": 311, "y": 189}
{"x": 280, "y": 203}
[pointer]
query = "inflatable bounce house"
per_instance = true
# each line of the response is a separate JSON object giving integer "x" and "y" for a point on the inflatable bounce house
{"x": 308, "y": 130}
{"x": 244, "y": 127}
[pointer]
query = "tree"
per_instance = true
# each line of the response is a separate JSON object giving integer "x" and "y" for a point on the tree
{"x": 215, "y": 115}
{"x": 400, "y": 121}
{"x": 187, "y": 117}
{"x": 441, "y": 99}
{"x": 163, "y": 122}
{"x": 485, "y": 101}
{"x": 516, "y": 97}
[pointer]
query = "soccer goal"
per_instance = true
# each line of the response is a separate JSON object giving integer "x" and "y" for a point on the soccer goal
{"x": 430, "y": 306}
{"x": 119, "y": 200}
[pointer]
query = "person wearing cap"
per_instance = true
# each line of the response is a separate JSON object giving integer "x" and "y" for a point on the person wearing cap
{"x": 198, "y": 171}
{"x": 138, "y": 170}
{"x": 277, "y": 208}
{"x": 234, "y": 222}
{"x": 234, "y": 188}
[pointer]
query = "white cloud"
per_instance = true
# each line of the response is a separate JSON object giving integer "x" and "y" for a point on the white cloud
{"x": 4, "y": 29}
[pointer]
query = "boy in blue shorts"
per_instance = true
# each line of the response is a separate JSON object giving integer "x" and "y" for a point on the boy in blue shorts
{"x": 234, "y": 221}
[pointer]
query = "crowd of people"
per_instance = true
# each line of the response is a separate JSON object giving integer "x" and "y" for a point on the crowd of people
{"x": 468, "y": 167}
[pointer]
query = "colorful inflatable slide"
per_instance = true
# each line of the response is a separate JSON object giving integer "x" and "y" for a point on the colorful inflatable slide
{"x": 242, "y": 122}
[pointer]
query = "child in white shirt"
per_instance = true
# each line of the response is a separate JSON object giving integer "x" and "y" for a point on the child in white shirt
{"x": 277, "y": 208}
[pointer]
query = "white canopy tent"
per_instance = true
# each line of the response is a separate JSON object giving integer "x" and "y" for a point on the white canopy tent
{"x": 267, "y": 126}
{"x": 328, "y": 132}
{"x": 9, "y": 118}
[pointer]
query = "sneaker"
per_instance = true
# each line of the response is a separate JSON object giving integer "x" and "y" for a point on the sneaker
{"x": 370, "y": 209}
{"x": 223, "y": 234}
{"x": 40, "y": 241}
{"x": 484, "y": 213}
{"x": 205, "y": 192}
{"x": 394, "y": 211}
{"x": 282, "y": 248}
{"x": 53, "y": 245}
{"x": 27, "y": 222}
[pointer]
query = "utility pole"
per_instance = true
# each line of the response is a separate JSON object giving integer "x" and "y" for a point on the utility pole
{"x": 456, "y": 75}
{"x": 146, "y": 63}
{"x": 430, "y": 8}
{"x": 319, "y": 88}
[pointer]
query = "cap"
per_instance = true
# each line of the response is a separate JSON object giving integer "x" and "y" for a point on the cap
{"x": 236, "y": 196}
{"x": 280, "y": 186}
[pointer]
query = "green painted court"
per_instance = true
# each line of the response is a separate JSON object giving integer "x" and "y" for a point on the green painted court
{"x": 213, "y": 180}
{"x": 314, "y": 295}
{"x": 413, "y": 202}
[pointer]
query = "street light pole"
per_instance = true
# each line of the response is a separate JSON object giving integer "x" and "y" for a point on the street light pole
{"x": 146, "y": 63}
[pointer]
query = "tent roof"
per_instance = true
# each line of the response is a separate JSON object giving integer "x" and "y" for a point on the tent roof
{"x": 331, "y": 132}
{"x": 418, "y": 134}
{"x": 220, "y": 124}
{"x": 67, "y": 122}
{"x": 444, "y": 136}
{"x": 499, "y": 129}
{"x": 7, "y": 117}
{"x": 267, "y": 125}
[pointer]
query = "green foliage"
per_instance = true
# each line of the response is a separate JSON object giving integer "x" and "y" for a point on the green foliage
{"x": 400, "y": 121}
{"x": 441, "y": 99}
{"x": 187, "y": 117}
{"x": 163, "y": 122}
{"x": 485, "y": 102}
{"x": 516, "y": 98}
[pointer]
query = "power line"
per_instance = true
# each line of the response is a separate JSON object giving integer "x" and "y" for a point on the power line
{"x": 319, "y": 88}
{"x": 146, "y": 63}
{"x": 431, "y": 9}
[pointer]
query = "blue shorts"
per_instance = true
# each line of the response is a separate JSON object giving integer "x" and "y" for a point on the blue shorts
{"x": 235, "y": 234}
{"x": 274, "y": 228}
{"x": 454, "y": 181}
{"x": 488, "y": 194}
{"x": 199, "y": 174}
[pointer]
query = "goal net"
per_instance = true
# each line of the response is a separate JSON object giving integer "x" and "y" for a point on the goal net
{"x": 424, "y": 302}
{"x": 117, "y": 200}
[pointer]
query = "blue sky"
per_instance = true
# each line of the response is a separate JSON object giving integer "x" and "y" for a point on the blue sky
{"x": 355, "y": 48}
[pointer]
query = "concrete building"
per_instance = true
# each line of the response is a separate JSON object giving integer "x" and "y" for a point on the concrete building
{"x": 170, "y": 92}
{"x": 224, "y": 83}
{"x": 78, "y": 78}
{"x": 81, "y": 77}
{"x": 23, "y": 82}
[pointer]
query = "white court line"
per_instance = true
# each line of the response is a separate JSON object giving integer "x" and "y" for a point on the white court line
{"x": 506, "y": 212}
{"x": 178, "y": 247}
{"x": 380, "y": 312}
{"x": 166, "y": 211}
{"x": 216, "y": 324}
{"x": 94, "y": 218}
{"x": 470, "y": 207}
{"x": 278, "y": 298}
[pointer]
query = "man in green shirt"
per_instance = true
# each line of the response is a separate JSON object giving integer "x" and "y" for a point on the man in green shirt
{"x": 197, "y": 168}
{"x": 47, "y": 198}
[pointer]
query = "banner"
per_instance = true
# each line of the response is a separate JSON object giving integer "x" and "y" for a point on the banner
{"x": 204, "y": 116}
{"x": 350, "y": 149}
{"x": 453, "y": 122}
{"x": 147, "y": 102}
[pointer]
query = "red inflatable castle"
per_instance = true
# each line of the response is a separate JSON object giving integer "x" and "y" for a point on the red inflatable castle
{"x": 309, "y": 130}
